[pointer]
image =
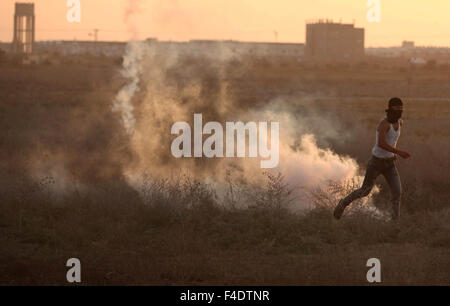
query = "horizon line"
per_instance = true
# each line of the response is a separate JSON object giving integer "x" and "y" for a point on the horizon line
{"x": 215, "y": 40}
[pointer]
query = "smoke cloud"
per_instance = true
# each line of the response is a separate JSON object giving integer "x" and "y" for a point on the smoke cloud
{"x": 174, "y": 87}
{"x": 131, "y": 70}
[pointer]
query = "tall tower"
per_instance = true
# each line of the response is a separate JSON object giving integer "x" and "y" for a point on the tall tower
{"x": 24, "y": 28}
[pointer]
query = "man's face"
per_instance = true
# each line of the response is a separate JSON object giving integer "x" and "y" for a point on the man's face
{"x": 395, "y": 113}
{"x": 398, "y": 110}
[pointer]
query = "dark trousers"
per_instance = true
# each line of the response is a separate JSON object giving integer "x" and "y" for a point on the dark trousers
{"x": 388, "y": 169}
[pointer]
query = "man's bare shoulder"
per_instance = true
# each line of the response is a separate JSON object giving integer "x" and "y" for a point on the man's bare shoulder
{"x": 383, "y": 125}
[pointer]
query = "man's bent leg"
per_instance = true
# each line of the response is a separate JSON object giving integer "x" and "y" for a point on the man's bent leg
{"x": 372, "y": 171}
{"x": 393, "y": 179}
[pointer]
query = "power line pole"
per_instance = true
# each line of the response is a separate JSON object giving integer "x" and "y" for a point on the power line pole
{"x": 95, "y": 34}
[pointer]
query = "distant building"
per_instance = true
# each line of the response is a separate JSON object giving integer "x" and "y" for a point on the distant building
{"x": 334, "y": 41}
{"x": 71, "y": 47}
{"x": 408, "y": 44}
{"x": 231, "y": 48}
{"x": 220, "y": 49}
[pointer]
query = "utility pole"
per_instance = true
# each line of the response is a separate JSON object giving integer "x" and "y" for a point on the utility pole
{"x": 95, "y": 34}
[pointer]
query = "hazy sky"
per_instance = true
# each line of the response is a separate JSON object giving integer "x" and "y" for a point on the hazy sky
{"x": 427, "y": 22}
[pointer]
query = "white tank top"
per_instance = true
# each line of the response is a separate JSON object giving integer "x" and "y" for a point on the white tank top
{"x": 391, "y": 138}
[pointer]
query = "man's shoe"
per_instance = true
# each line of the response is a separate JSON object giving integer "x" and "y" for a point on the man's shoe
{"x": 339, "y": 210}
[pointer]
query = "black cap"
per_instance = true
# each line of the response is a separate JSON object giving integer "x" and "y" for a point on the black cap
{"x": 395, "y": 102}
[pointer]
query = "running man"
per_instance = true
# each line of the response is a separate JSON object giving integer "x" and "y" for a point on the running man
{"x": 383, "y": 161}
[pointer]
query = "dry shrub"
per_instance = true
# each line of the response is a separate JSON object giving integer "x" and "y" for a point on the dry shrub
{"x": 328, "y": 196}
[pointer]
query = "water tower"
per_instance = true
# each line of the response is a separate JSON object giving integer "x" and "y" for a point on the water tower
{"x": 24, "y": 28}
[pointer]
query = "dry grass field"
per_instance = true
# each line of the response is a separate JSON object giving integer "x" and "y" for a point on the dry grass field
{"x": 179, "y": 233}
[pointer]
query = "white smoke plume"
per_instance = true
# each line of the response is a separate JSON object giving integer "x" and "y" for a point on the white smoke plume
{"x": 172, "y": 89}
{"x": 131, "y": 70}
{"x": 305, "y": 166}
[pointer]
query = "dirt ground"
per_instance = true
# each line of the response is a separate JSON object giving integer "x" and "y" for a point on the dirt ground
{"x": 63, "y": 111}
